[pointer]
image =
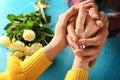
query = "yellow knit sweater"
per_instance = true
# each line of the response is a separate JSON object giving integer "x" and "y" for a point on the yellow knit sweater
{"x": 33, "y": 67}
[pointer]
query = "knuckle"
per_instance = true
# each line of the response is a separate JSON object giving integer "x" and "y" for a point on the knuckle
{"x": 97, "y": 41}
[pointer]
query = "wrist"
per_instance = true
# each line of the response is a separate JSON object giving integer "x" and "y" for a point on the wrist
{"x": 53, "y": 48}
{"x": 80, "y": 63}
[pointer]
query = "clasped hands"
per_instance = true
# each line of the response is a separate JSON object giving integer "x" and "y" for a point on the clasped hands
{"x": 82, "y": 24}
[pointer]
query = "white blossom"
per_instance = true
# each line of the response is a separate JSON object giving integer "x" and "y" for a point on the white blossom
{"x": 27, "y": 51}
{"x": 17, "y": 45}
{"x": 35, "y": 47}
{"x": 28, "y": 35}
{"x": 30, "y": 50}
{"x": 5, "y": 41}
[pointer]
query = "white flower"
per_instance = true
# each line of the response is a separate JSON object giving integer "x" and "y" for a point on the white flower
{"x": 30, "y": 50}
{"x": 28, "y": 35}
{"x": 35, "y": 47}
{"x": 5, "y": 41}
{"x": 19, "y": 54}
{"x": 27, "y": 51}
{"x": 18, "y": 45}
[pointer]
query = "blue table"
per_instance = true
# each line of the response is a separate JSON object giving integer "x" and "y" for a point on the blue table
{"x": 108, "y": 63}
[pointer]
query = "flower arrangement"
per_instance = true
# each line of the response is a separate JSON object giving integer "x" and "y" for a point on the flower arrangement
{"x": 26, "y": 33}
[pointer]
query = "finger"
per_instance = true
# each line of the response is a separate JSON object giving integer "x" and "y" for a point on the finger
{"x": 91, "y": 51}
{"x": 71, "y": 42}
{"x": 97, "y": 40}
{"x": 76, "y": 51}
{"x": 71, "y": 30}
{"x": 93, "y": 12}
{"x": 80, "y": 21}
{"x": 92, "y": 63}
{"x": 102, "y": 16}
{"x": 87, "y": 4}
{"x": 99, "y": 23}
{"x": 63, "y": 19}
{"x": 90, "y": 58}
{"x": 90, "y": 27}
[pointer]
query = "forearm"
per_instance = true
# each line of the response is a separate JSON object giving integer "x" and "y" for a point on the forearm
{"x": 54, "y": 48}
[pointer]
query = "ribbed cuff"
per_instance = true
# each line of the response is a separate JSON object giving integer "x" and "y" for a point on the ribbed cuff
{"x": 34, "y": 66}
{"x": 77, "y": 74}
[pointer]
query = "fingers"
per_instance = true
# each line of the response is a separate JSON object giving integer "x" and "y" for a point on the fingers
{"x": 93, "y": 12}
{"x": 90, "y": 27}
{"x": 80, "y": 21}
{"x": 64, "y": 18}
{"x": 98, "y": 39}
{"x": 72, "y": 43}
{"x": 71, "y": 30}
{"x": 100, "y": 22}
{"x": 89, "y": 51}
{"x": 88, "y": 4}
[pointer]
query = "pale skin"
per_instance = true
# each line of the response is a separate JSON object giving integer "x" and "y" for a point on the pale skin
{"x": 90, "y": 54}
{"x": 58, "y": 43}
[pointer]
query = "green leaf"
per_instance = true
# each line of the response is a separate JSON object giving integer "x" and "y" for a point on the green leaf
{"x": 46, "y": 34}
{"x": 42, "y": 1}
{"x": 20, "y": 16}
{"x": 11, "y": 17}
{"x": 46, "y": 29}
{"x": 8, "y": 26}
{"x": 30, "y": 23}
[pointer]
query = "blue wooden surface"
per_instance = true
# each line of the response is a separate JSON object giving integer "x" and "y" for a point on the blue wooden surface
{"x": 108, "y": 63}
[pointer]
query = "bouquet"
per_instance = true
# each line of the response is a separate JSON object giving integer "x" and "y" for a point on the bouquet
{"x": 26, "y": 33}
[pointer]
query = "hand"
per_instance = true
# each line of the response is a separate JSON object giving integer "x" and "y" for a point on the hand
{"x": 94, "y": 44}
{"x": 58, "y": 43}
{"x": 92, "y": 27}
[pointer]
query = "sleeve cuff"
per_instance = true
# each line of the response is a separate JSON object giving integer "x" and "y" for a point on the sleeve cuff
{"x": 77, "y": 74}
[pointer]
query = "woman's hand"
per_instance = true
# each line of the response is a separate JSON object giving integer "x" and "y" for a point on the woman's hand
{"x": 93, "y": 44}
{"x": 58, "y": 43}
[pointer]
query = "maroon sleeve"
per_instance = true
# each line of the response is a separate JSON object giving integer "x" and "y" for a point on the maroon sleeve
{"x": 114, "y": 24}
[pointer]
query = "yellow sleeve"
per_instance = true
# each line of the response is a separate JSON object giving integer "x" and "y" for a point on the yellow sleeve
{"x": 77, "y": 74}
{"x": 30, "y": 69}
{"x": 13, "y": 71}
{"x": 35, "y": 65}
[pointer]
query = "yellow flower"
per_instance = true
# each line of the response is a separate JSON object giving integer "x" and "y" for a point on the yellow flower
{"x": 28, "y": 35}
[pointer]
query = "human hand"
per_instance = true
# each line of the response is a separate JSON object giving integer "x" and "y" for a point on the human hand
{"x": 93, "y": 22}
{"x": 94, "y": 44}
{"x": 58, "y": 43}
